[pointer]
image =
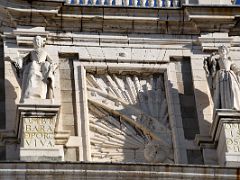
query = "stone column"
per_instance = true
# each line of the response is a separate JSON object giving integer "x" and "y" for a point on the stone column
{"x": 226, "y": 129}
{"x": 36, "y": 132}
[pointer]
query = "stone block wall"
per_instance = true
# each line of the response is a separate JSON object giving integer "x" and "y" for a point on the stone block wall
{"x": 2, "y": 89}
{"x": 187, "y": 98}
{"x": 121, "y": 42}
{"x": 68, "y": 109}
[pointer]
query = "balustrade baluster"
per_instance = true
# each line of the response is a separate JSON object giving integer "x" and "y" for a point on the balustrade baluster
{"x": 94, "y": 2}
{"x": 135, "y": 3}
{"x": 118, "y": 2}
{"x": 159, "y": 3}
{"x": 144, "y": 3}
{"x": 100, "y": 2}
{"x": 107, "y": 2}
{"x": 175, "y": 3}
{"x": 151, "y": 3}
{"x": 76, "y": 2}
{"x": 167, "y": 3}
{"x": 84, "y": 2}
{"x": 125, "y": 2}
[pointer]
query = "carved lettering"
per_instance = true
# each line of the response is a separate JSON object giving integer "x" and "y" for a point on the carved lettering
{"x": 38, "y": 132}
{"x": 232, "y": 133}
{"x": 28, "y": 143}
{"x": 50, "y": 144}
{"x": 228, "y": 126}
{"x": 28, "y": 128}
{"x": 229, "y": 141}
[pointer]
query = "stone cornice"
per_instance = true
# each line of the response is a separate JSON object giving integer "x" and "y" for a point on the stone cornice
{"x": 58, "y": 16}
{"x": 133, "y": 171}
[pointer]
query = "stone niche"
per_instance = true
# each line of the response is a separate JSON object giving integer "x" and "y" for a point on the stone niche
{"x": 128, "y": 118}
{"x": 36, "y": 132}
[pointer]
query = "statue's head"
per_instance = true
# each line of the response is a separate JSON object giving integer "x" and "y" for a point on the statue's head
{"x": 223, "y": 50}
{"x": 38, "y": 42}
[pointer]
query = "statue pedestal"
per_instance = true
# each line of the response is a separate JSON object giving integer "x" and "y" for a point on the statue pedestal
{"x": 36, "y": 131}
{"x": 226, "y": 133}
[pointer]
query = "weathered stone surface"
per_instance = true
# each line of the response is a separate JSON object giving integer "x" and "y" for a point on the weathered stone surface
{"x": 36, "y": 132}
{"x": 117, "y": 119}
{"x": 93, "y": 171}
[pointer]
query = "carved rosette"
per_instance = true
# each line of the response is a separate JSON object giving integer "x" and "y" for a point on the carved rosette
{"x": 129, "y": 118}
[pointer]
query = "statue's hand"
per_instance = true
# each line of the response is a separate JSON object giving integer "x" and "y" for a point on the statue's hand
{"x": 7, "y": 58}
{"x": 13, "y": 61}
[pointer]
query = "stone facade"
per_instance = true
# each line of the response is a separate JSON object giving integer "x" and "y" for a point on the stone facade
{"x": 111, "y": 171}
{"x": 129, "y": 87}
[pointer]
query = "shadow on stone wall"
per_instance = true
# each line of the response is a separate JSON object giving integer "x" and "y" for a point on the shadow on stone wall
{"x": 134, "y": 128}
{"x": 11, "y": 149}
{"x": 204, "y": 111}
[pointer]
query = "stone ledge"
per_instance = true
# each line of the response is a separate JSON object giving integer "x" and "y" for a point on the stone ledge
{"x": 210, "y": 140}
{"x": 90, "y": 171}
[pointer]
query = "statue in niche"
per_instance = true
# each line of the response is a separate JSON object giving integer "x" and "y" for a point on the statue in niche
{"x": 36, "y": 72}
{"x": 225, "y": 79}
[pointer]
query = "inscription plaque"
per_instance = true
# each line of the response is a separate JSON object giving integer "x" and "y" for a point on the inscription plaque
{"x": 232, "y": 134}
{"x": 38, "y": 132}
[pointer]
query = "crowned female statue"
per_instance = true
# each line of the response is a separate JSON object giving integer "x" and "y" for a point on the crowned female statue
{"x": 226, "y": 84}
{"x": 36, "y": 73}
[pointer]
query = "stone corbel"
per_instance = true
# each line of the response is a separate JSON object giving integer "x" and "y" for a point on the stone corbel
{"x": 211, "y": 41}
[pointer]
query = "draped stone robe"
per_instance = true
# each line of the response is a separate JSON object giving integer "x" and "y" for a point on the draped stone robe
{"x": 37, "y": 75}
{"x": 227, "y": 86}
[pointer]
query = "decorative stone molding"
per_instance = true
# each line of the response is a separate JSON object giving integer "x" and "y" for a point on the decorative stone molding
{"x": 111, "y": 171}
{"x": 25, "y": 35}
{"x": 211, "y": 41}
{"x": 126, "y": 3}
{"x": 116, "y": 117}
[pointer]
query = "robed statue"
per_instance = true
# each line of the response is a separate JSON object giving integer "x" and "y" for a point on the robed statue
{"x": 36, "y": 72}
{"x": 225, "y": 79}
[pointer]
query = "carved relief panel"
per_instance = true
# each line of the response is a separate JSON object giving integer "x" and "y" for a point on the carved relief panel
{"x": 128, "y": 117}
{"x": 122, "y": 114}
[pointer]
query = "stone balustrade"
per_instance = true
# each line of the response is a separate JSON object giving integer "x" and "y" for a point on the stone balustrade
{"x": 133, "y": 3}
